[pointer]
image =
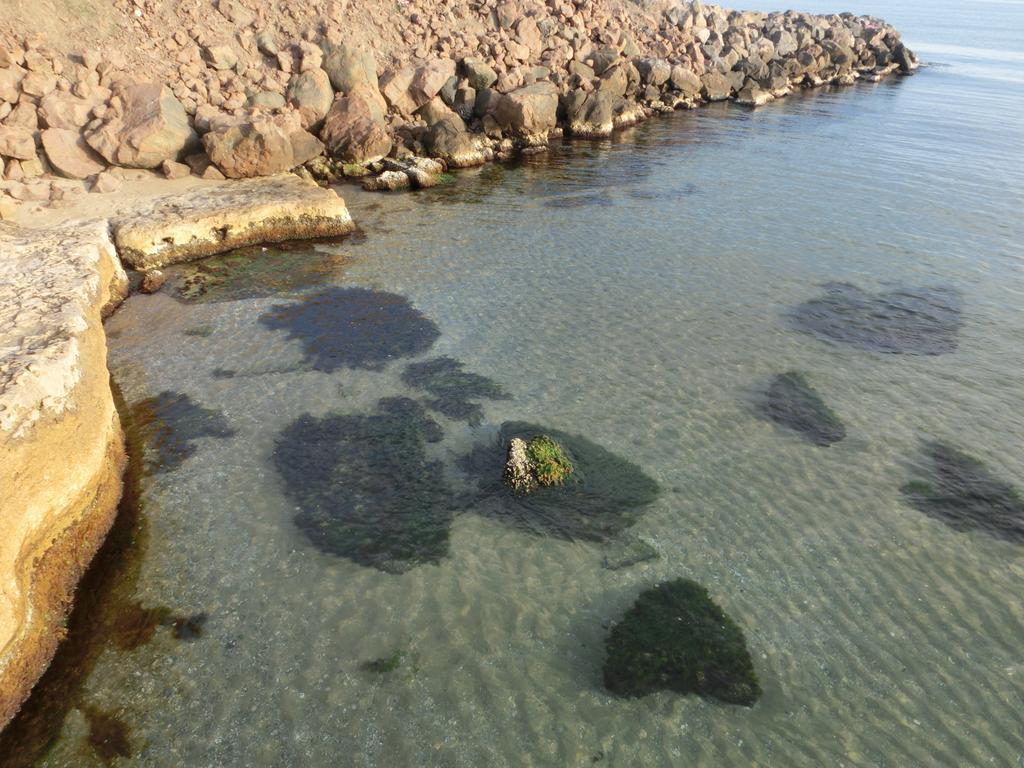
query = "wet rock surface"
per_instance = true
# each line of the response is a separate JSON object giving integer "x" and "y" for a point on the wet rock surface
{"x": 960, "y": 491}
{"x": 365, "y": 488}
{"x": 604, "y": 495}
{"x": 676, "y": 638}
{"x": 915, "y": 321}
{"x": 454, "y": 390}
{"x": 792, "y": 402}
{"x": 353, "y": 328}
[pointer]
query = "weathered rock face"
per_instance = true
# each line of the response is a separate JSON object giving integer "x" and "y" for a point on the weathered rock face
{"x": 69, "y": 155}
{"x": 529, "y": 112}
{"x": 354, "y": 129}
{"x": 311, "y": 94}
{"x": 349, "y": 64}
{"x": 148, "y": 126}
{"x": 55, "y": 403}
{"x": 261, "y": 145}
{"x": 589, "y": 115}
{"x": 17, "y": 143}
{"x": 447, "y": 139}
{"x": 191, "y": 225}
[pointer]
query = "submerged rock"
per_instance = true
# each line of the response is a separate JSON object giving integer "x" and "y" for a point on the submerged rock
{"x": 170, "y": 424}
{"x": 627, "y": 551}
{"x": 792, "y": 402}
{"x": 453, "y": 388}
{"x": 256, "y": 271}
{"x": 365, "y": 488}
{"x": 353, "y": 328}
{"x": 920, "y": 321}
{"x": 603, "y": 495}
{"x": 960, "y": 491}
{"x": 676, "y": 638}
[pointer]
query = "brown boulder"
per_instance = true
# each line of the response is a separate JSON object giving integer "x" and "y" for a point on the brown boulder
{"x": 17, "y": 143}
{"x": 147, "y": 125}
{"x": 69, "y": 155}
{"x": 528, "y": 112}
{"x": 430, "y": 79}
{"x": 261, "y": 145}
{"x": 354, "y": 129}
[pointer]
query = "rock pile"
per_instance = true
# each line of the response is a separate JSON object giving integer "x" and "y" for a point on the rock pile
{"x": 216, "y": 89}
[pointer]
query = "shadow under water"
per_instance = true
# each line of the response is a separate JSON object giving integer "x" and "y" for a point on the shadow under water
{"x": 365, "y": 488}
{"x": 256, "y": 271}
{"x": 453, "y": 388}
{"x": 353, "y": 328}
{"x": 792, "y": 402}
{"x": 960, "y": 491}
{"x": 169, "y": 425}
{"x": 915, "y": 321}
{"x": 602, "y": 497}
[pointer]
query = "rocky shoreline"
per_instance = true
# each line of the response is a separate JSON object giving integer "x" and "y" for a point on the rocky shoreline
{"x": 226, "y": 97}
{"x": 221, "y": 97}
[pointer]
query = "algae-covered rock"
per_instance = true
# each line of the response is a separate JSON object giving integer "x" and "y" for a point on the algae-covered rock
{"x": 917, "y": 321}
{"x": 961, "y": 491}
{"x": 453, "y": 388}
{"x": 676, "y": 638}
{"x": 534, "y": 464}
{"x": 792, "y": 402}
{"x": 603, "y": 495}
{"x": 353, "y": 328}
{"x": 364, "y": 486}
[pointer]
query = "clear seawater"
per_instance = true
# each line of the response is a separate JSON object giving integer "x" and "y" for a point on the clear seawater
{"x": 639, "y": 292}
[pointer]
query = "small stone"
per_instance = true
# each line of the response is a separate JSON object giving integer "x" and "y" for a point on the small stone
{"x": 153, "y": 281}
{"x": 173, "y": 170}
{"x": 105, "y": 182}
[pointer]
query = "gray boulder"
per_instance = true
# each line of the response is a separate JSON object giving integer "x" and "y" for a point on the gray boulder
{"x": 349, "y": 64}
{"x": 310, "y": 92}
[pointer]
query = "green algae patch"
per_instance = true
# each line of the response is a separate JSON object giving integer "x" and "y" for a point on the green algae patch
{"x": 602, "y": 496}
{"x": 364, "y": 486}
{"x": 550, "y": 464}
{"x": 793, "y": 403}
{"x": 960, "y": 491}
{"x": 353, "y": 327}
{"x": 454, "y": 389}
{"x": 914, "y": 321}
{"x": 169, "y": 426}
{"x": 676, "y": 638}
{"x": 256, "y": 271}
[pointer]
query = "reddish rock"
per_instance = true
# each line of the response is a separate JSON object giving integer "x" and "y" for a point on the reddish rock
{"x": 261, "y": 145}
{"x": 354, "y": 129}
{"x": 69, "y": 155}
{"x": 147, "y": 126}
{"x": 17, "y": 143}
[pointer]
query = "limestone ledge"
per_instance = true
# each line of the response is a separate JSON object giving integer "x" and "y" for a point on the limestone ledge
{"x": 213, "y": 219}
{"x": 62, "y": 450}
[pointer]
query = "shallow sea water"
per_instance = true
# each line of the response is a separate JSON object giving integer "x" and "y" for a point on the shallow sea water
{"x": 639, "y": 292}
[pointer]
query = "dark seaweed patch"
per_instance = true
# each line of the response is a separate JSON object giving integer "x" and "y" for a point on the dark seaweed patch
{"x": 364, "y": 486}
{"x": 792, "y": 402}
{"x": 602, "y": 200}
{"x": 256, "y": 271}
{"x": 676, "y": 638}
{"x": 453, "y": 388}
{"x": 353, "y": 328}
{"x": 960, "y": 491}
{"x": 188, "y": 627}
{"x": 109, "y": 736}
{"x": 918, "y": 321}
{"x": 604, "y": 495}
{"x": 170, "y": 424}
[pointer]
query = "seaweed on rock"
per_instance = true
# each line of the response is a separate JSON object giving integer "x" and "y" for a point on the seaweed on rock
{"x": 353, "y": 328}
{"x": 918, "y": 321}
{"x": 170, "y": 424}
{"x": 604, "y": 494}
{"x": 453, "y": 388}
{"x": 961, "y": 492}
{"x": 792, "y": 402}
{"x": 676, "y": 638}
{"x": 364, "y": 486}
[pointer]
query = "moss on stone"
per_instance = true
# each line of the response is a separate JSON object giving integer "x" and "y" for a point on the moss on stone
{"x": 550, "y": 464}
{"x": 676, "y": 638}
